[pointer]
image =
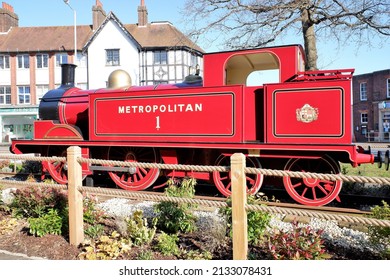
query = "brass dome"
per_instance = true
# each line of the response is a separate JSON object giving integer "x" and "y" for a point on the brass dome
{"x": 119, "y": 79}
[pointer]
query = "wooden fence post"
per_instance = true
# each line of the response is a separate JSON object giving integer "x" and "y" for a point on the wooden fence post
{"x": 239, "y": 217}
{"x": 75, "y": 198}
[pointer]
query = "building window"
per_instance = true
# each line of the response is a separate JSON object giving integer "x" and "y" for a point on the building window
{"x": 5, "y": 95}
{"x": 40, "y": 91}
{"x": 160, "y": 57}
{"x": 364, "y": 118}
{"x": 112, "y": 57}
{"x": 24, "y": 94}
{"x": 42, "y": 60}
{"x": 363, "y": 91}
{"x": 388, "y": 88}
{"x": 23, "y": 61}
{"x": 61, "y": 58}
{"x": 4, "y": 61}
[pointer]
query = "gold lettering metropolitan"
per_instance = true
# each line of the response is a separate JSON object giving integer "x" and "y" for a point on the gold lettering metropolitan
{"x": 169, "y": 108}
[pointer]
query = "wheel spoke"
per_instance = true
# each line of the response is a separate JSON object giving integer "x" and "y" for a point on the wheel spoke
{"x": 229, "y": 186}
{"x": 314, "y": 193}
{"x": 304, "y": 192}
{"x": 297, "y": 185}
{"x": 322, "y": 189}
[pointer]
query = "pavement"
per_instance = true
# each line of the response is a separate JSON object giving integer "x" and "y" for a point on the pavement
{"x": 5, "y": 255}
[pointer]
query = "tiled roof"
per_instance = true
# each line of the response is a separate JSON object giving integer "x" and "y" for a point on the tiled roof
{"x": 50, "y": 38}
{"x": 55, "y": 38}
{"x": 160, "y": 34}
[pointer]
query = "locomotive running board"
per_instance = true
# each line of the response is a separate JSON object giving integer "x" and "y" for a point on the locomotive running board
{"x": 130, "y": 170}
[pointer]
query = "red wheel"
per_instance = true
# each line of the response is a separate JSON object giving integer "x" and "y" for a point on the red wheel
{"x": 311, "y": 191}
{"x": 58, "y": 170}
{"x": 223, "y": 182}
{"x": 138, "y": 178}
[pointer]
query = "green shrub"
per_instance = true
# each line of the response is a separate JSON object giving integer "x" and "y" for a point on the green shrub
{"x": 258, "y": 221}
{"x": 138, "y": 230}
{"x": 379, "y": 234}
{"x": 50, "y": 223}
{"x": 94, "y": 231}
{"x": 176, "y": 217}
{"x": 183, "y": 188}
{"x": 381, "y": 212}
{"x": 301, "y": 243}
{"x": 167, "y": 244}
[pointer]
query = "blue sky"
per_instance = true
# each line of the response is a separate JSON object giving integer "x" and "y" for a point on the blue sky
{"x": 55, "y": 12}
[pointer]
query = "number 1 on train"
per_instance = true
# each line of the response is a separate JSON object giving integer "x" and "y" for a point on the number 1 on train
{"x": 158, "y": 122}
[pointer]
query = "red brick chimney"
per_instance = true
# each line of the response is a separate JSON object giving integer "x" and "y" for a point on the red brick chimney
{"x": 98, "y": 15}
{"x": 142, "y": 14}
{"x": 8, "y": 18}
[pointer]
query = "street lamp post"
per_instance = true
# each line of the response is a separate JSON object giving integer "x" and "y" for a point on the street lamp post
{"x": 75, "y": 30}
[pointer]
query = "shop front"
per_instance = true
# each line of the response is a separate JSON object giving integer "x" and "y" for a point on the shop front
{"x": 17, "y": 123}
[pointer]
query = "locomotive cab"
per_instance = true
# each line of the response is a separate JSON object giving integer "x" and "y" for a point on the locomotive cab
{"x": 252, "y": 69}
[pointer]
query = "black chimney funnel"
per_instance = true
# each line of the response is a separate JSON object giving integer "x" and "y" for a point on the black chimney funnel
{"x": 67, "y": 74}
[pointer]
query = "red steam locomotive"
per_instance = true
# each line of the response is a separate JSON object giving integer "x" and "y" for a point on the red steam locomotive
{"x": 301, "y": 122}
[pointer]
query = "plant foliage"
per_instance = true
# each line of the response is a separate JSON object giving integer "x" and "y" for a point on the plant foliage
{"x": 379, "y": 234}
{"x": 174, "y": 217}
{"x": 35, "y": 202}
{"x": 105, "y": 248}
{"x": 258, "y": 221}
{"x": 138, "y": 230}
{"x": 301, "y": 243}
{"x": 167, "y": 244}
{"x": 50, "y": 223}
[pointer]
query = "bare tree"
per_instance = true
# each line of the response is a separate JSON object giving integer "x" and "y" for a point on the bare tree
{"x": 256, "y": 23}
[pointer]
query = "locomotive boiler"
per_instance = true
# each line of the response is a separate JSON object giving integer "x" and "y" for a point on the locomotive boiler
{"x": 300, "y": 122}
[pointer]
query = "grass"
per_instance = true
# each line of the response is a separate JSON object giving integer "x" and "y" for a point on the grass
{"x": 368, "y": 170}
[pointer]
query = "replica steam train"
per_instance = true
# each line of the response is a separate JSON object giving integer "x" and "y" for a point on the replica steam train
{"x": 301, "y": 122}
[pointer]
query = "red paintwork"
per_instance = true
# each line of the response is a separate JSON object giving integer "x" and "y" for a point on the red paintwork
{"x": 330, "y": 98}
{"x": 74, "y": 103}
{"x": 305, "y": 116}
{"x": 168, "y": 115}
{"x": 55, "y": 131}
{"x": 289, "y": 58}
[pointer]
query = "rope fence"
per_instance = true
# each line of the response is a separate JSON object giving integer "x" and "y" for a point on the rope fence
{"x": 237, "y": 169}
{"x": 205, "y": 168}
